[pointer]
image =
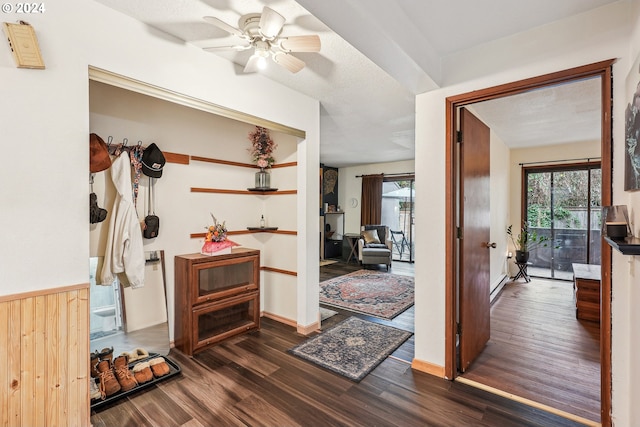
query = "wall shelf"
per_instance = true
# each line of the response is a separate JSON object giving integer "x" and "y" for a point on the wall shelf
{"x": 252, "y": 231}
{"x": 242, "y": 192}
{"x": 626, "y": 246}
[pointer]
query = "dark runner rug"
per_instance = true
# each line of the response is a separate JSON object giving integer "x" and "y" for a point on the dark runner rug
{"x": 378, "y": 294}
{"x": 351, "y": 348}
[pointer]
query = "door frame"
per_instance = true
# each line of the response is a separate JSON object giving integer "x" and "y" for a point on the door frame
{"x": 452, "y": 104}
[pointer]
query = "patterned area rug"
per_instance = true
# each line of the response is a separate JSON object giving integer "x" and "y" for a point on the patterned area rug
{"x": 352, "y": 348}
{"x": 374, "y": 293}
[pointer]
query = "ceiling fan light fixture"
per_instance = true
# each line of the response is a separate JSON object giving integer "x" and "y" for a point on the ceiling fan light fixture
{"x": 262, "y": 63}
{"x": 271, "y": 23}
{"x": 289, "y": 62}
{"x": 309, "y": 43}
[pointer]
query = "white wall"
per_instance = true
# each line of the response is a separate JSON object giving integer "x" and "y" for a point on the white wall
{"x": 45, "y": 121}
{"x": 500, "y": 183}
{"x": 351, "y": 187}
{"x": 626, "y": 269}
{"x": 592, "y": 37}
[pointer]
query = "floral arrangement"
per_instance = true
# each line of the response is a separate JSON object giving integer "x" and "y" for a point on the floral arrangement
{"x": 262, "y": 147}
{"x": 216, "y": 232}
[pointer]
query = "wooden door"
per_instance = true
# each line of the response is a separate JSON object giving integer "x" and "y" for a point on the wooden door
{"x": 474, "y": 315}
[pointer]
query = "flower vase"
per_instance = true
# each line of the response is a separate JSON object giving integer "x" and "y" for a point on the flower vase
{"x": 263, "y": 179}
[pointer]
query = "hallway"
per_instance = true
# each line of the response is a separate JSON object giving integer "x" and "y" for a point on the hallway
{"x": 539, "y": 351}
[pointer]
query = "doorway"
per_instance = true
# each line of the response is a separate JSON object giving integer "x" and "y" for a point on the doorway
{"x": 562, "y": 204}
{"x": 453, "y": 104}
{"x": 398, "y": 201}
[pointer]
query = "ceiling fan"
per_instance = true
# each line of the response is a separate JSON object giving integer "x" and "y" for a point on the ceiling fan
{"x": 261, "y": 32}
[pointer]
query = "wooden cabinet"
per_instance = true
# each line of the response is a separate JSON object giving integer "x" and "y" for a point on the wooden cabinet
{"x": 586, "y": 281}
{"x": 216, "y": 297}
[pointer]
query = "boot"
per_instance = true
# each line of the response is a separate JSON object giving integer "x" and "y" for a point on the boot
{"x": 95, "y": 358}
{"x": 108, "y": 383}
{"x": 123, "y": 373}
{"x": 159, "y": 367}
{"x": 106, "y": 354}
{"x": 142, "y": 372}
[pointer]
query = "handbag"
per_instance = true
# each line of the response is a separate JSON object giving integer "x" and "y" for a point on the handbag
{"x": 151, "y": 221}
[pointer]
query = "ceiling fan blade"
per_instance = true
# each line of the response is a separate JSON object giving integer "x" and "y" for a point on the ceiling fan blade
{"x": 271, "y": 23}
{"x": 301, "y": 44}
{"x": 223, "y": 26}
{"x": 252, "y": 64}
{"x": 289, "y": 62}
{"x": 237, "y": 48}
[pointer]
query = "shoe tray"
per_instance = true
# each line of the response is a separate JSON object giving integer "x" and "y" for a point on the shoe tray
{"x": 174, "y": 370}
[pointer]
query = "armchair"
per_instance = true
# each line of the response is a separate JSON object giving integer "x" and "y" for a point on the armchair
{"x": 375, "y": 245}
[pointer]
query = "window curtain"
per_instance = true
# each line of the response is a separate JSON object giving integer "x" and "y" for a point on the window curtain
{"x": 371, "y": 200}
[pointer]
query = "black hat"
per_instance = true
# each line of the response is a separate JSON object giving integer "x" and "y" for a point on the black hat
{"x": 152, "y": 161}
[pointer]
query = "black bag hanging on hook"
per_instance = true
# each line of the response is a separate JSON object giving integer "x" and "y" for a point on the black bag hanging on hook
{"x": 151, "y": 221}
{"x": 96, "y": 213}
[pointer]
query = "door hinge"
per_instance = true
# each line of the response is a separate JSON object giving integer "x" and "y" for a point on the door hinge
{"x": 458, "y": 136}
{"x": 459, "y": 231}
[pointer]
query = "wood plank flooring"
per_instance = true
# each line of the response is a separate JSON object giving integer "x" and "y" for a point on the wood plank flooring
{"x": 251, "y": 380}
{"x": 540, "y": 351}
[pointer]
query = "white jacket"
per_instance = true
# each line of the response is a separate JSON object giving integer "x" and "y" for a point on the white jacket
{"x": 124, "y": 254}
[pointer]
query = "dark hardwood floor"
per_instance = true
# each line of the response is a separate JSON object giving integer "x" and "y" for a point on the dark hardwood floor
{"x": 539, "y": 351}
{"x": 251, "y": 380}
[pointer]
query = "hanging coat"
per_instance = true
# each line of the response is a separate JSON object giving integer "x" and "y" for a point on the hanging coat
{"x": 124, "y": 254}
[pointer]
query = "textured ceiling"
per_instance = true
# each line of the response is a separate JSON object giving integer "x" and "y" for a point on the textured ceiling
{"x": 377, "y": 54}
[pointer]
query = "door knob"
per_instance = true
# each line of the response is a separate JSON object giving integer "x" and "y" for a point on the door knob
{"x": 491, "y": 245}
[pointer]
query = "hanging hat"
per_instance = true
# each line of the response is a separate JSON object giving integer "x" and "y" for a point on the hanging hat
{"x": 152, "y": 161}
{"x": 99, "y": 159}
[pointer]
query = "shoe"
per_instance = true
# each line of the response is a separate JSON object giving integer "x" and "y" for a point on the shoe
{"x": 123, "y": 373}
{"x": 94, "y": 391}
{"x": 108, "y": 383}
{"x": 137, "y": 354}
{"x": 106, "y": 354}
{"x": 142, "y": 372}
{"x": 159, "y": 367}
{"x": 93, "y": 362}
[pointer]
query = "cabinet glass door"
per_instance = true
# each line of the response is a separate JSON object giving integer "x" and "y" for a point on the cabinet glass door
{"x": 217, "y": 321}
{"x": 226, "y": 278}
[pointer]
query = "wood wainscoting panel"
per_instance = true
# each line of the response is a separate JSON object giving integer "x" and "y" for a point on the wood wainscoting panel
{"x": 44, "y": 354}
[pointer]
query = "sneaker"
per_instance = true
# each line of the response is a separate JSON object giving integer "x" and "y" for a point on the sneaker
{"x": 94, "y": 391}
{"x": 123, "y": 373}
{"x": 142, "y": 372}
{"x": 108, "y": 383}
{"x": 159, "y": 367}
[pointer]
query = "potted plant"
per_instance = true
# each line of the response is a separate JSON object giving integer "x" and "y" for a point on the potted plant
{"x": 525, "y": 242}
